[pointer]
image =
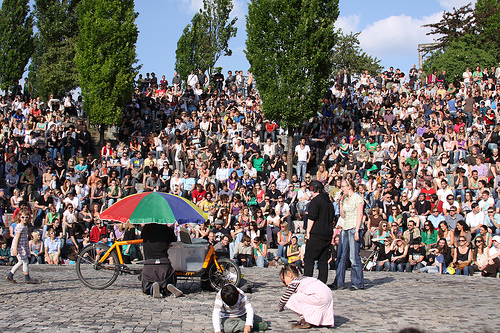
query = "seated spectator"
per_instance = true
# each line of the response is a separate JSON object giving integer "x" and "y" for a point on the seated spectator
{"x": 243, "y": 252}
{"x": 462, "y": 258}
{"x": 260, "y": 252}
{"x": 52, "y": 248}
{"x": 416, "y": 256}
{"x": 222, "y": 247}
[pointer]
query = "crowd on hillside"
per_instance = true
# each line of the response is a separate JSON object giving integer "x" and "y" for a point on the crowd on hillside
{"x": 422, "y": 151}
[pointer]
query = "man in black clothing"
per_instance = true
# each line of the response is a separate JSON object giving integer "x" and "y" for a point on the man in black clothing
{"x": 319, "y": 231}
{"x": 158, "y": 275}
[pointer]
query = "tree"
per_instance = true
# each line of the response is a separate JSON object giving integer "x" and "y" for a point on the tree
{"x": 16, "y": 40}
{"x": 458, "y": 55}
{"x": 189, "y": 46}
{"x": 487, "y": 14}
{"x": 290, "y": 49}
{"x": 452, "y": 26}
{"x": 52, "y": 68}
{"x": 206, "y": 38}
{"x": 468, "y": 36}
{"x": 349, "y": 55}
{"x": 105, "y": 58}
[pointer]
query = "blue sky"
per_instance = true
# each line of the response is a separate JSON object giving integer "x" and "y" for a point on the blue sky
{"x": 390, "y": 30}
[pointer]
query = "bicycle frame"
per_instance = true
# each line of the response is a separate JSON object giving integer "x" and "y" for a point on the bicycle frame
{"x": 208, "y": 258}
{"x": 116, "y": 246}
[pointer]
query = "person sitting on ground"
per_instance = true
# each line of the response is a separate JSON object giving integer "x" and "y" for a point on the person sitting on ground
{"x": 308, "y": 297}
{"x": 233, "y": 312}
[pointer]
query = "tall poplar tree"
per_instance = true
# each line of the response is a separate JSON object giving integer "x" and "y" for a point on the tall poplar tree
{"x": 106, "y": 58}
{"x": 206, "y": 38}
{"x": 52, "y": 67}
{"x": 290, "y": 49}
{"x": 16, "y": 40}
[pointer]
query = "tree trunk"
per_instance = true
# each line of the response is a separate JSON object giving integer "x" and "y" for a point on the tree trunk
{"x": 102, "y": 129}
{"x": 290, "y": 152}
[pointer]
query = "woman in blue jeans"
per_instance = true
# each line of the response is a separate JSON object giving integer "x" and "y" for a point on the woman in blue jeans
{"x": 462, "y": 257}
{"x": 260, "y": 252}
{"x": 399, "y": 256}
{"x": 284, "y": 239}
{"x": 384, "y": 257}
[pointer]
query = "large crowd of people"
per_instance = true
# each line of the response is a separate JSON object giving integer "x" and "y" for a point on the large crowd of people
{"x": 420, "y": 150}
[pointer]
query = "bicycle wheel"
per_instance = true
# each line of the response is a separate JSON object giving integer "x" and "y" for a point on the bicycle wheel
{"x": 230, "y": 274}
{"x": 93, "y": 274}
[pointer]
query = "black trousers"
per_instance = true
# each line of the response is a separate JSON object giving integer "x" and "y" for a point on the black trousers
{"x": 161, "y": 272}
{"x": 317, "y": 249}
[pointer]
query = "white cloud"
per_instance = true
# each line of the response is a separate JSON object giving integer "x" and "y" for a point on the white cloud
{"x": 191, "y": 5}
{"x": 348, "y": 24}
{"x": 396, "y": 35}
{"x": 449, "y": 4}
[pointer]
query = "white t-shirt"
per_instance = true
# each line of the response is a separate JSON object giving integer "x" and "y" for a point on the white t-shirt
{"x": 70, "y": 217}
{"x": 442, "y": 194}
{"x": 476, "y": 220}
{"x": 302, "y": 153}
{"x": 484, "y": 205}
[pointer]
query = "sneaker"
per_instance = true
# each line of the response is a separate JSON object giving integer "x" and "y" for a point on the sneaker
{"x": 176, "y": 292}
{"x": 32, "y": 281}
{"x": 334, "y": 287}
{"x": 261, "y": 326}
{"x": 354, "y": 288}
{"x": 156, "y": 290}
{"x": 10, "y": 279}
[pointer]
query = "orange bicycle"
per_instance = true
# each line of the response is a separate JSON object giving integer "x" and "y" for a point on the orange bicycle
{"x": 98, "y": 265}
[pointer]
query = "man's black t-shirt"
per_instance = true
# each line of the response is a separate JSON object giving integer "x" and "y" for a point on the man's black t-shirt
{"x": 156, "y": 240}
{"x": 42, "y": 202}
{"x": 220, "y": 233}
{"x": 417, "y": 254}
{"x": 321, "y": 212}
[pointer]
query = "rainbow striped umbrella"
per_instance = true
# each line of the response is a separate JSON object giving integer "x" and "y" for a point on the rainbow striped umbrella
{"x": 155, "y": 207}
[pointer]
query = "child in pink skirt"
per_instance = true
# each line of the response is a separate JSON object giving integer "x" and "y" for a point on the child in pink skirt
{"x": 308, "y": 297}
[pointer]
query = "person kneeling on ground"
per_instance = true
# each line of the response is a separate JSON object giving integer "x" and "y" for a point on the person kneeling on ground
{"x": 158, "y": 276}
{"x": 234, "y": 312}
{"x": 308, "y": 297}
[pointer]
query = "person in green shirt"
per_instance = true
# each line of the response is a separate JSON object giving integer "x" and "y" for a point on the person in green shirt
{"x": 258, "y": 164}
{"x": 429, "y": 236}
{"x": 413, "y": 160}
{"x": 371, "y": 145}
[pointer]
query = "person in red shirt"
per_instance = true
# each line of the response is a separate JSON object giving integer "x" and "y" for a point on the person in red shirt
{"x": 199, "y": 193}
{"x": 97, "y": 230}
{"x": 435, "y": 202}
{"x": 106, "y": 151}
{"x": 428, "y": 190}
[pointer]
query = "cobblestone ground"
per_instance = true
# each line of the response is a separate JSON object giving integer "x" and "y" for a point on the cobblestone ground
{"x": 391, "y": 301}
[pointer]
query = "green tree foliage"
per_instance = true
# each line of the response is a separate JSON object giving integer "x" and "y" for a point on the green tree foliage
{"x": 16, "y": 40}
{"x": 349, "y": 55}
{"x": 487, "y": 13}
{"x": 52, "y": 68}
{"x": 459, "y": 55}
{"x": 290, "y": 49}
{"x": 206, "y": 38}
{"x": 467, "y": 37}
{"x": 189, "y": 46}
{"x": 105, "y": 58}
{"x": 452, "y": 26}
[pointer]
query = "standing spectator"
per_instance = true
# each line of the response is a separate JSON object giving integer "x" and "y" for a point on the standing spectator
{"x": 20, "y": 248}
{"x": 303, "y": 153}
{"x": 319, "y": 232}
{"x": 351, "y": 210}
